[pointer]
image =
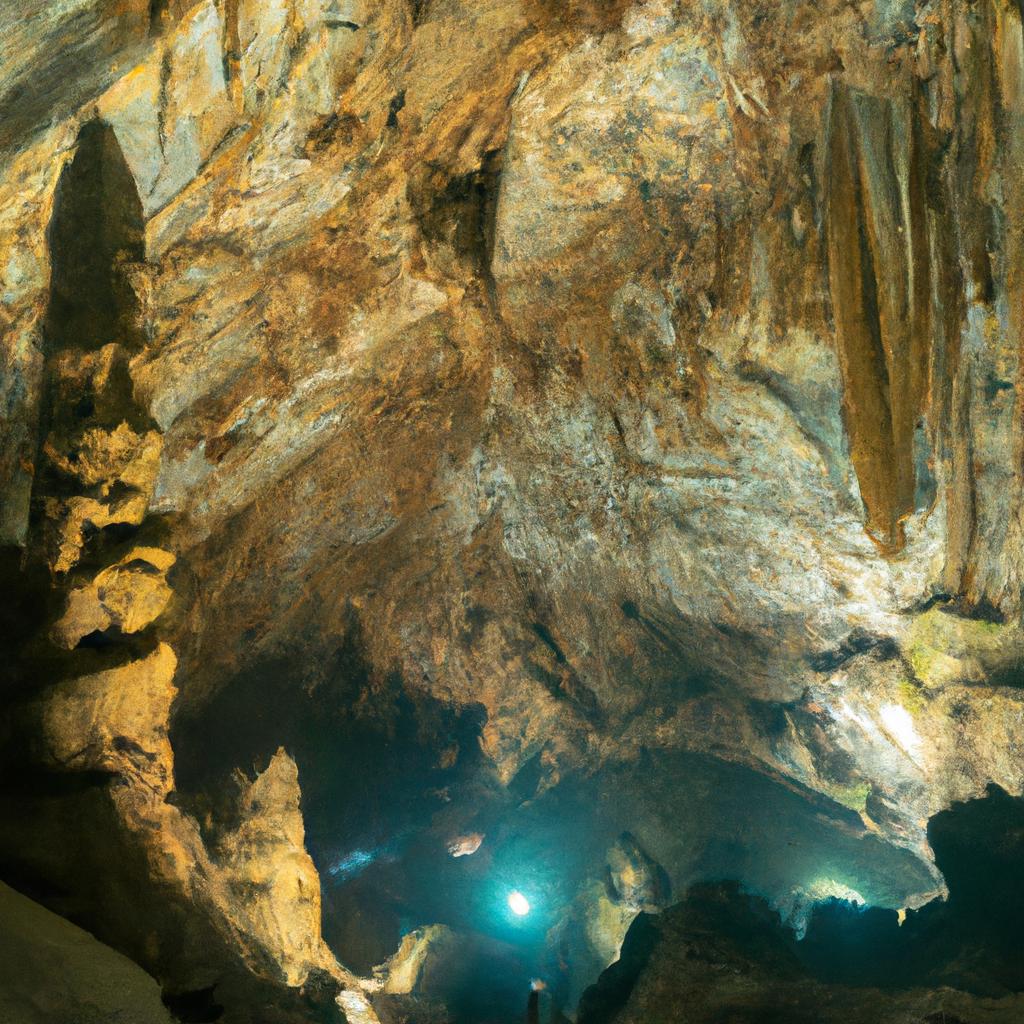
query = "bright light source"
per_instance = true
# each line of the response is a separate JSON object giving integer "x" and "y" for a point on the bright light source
{"x": 900, "y": 726}
{"x": 830, "y": 888}
{"x": 518, "y": 903}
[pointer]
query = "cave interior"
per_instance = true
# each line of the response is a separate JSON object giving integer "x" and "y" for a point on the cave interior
{"x": 646, "y": 881}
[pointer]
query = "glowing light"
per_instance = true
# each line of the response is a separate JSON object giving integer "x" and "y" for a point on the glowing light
{"x": 518, "y": 903}
{"x": 831, "y": 888}
{"x": 798, "y": 908}
{"x": 900, "y": 726}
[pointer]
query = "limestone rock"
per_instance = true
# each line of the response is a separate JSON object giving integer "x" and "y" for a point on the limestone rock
{"x": 102, "y": 457}
{"x": 56, "y": 55}
{"x": 724, "y": 954}
{"x": 730, "y": 959}
{"x": 129, "y": 595}
{"x": 115, "y": 720}
{"x": 274, "y": 888}
{"x": 52, "y": 972}
{"x": 635, "y": 880}
{"x": 403, "y": 972}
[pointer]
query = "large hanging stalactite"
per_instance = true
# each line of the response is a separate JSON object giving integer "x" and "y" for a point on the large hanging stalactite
{"x": 879, "y": 268}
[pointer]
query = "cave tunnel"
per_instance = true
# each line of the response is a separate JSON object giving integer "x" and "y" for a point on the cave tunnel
{"x": 565, "y": 875}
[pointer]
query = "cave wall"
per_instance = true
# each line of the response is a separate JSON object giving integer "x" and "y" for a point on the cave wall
{"x": 628, "y": 378}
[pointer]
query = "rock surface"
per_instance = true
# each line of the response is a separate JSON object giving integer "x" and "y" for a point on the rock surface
{"x": 724, "y": 955}
{"x": 544, "y": 389}
{"x": 721, "y": 956}
{"x": 54, "y": 973}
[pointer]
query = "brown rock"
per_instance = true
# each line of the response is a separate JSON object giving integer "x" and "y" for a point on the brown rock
{"x": 130, "y": 596}
{"x": 273, "y": 886}
{"x": 115, "y": 721}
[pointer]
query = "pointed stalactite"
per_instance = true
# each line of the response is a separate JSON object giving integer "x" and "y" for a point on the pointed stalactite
{"x": 854, "y": 306}
{"x": 949, "y": 413}
{"x": 1000, "y": 583}
{"x": 985, "y": 448}
{"x": 960, "y": 98}
{"x": 231, "y": 51}
{"x": 879, "y": 276}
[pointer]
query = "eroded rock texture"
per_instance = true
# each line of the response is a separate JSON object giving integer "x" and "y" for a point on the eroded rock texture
{"x": 533, "y": 421}
{"x": 723, "y": 955}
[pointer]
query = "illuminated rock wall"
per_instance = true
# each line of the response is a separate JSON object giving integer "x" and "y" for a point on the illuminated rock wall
{"x": 633, "y": 378}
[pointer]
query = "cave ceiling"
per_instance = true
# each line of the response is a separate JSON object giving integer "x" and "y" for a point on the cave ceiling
{"x": 459, "y": 457}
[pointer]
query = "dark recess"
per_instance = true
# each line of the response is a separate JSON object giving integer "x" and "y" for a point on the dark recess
{"x": 970, "y": 943}
{"x": 96, "y": 230}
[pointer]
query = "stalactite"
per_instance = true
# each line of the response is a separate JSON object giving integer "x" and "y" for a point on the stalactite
{"x": 879, "y": 272}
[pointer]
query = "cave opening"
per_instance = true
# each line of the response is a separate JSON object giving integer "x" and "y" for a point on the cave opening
{"x": 463, "y": 890}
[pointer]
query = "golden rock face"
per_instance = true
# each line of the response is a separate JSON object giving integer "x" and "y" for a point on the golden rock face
{"x": 115, "y": 720}
{"x": 130, "y": 596}
{"x": 273, "y": 883}
{"x": 633, "y": 379}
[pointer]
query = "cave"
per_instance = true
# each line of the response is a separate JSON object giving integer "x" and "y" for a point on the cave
{"x": 510, "y": 512}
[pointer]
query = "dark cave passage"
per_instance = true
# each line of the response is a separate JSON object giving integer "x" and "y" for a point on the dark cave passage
{"x": 384, "y": 775}
{"x": 390, "y": 783}
{"x": 856, "y": 963}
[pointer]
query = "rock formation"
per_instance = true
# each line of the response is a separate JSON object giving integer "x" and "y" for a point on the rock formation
{"x": 722, "y": 954}
{"x": 51, "y": 970}
{"x": 527, "y": 420}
